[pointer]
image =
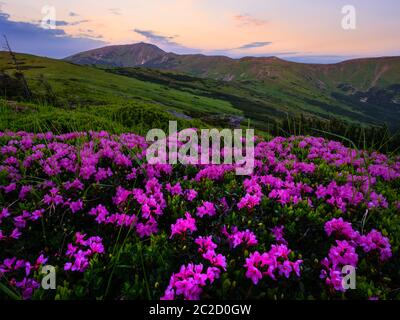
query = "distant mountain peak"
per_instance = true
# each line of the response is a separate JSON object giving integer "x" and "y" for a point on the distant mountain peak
{"x": 143, "y": 45}
{"x": 150, "y": 56}
{"x": 126, "y": 55}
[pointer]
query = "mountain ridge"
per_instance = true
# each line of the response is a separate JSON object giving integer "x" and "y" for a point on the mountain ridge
{"x": 380, "y": 71}
{"x": 272, "y": 57}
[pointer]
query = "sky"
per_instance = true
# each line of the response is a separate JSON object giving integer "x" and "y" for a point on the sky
{"x": 316, "y": 31}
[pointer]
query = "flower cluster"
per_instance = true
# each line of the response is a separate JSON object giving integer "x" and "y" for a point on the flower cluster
{"x": 278, "y": 233}
{"x": 340, "y": 196}
{"x": 340, "y": 228}
{"x": 174, "y": 190}
{"x": 120, "y": 219}
{"x": 13, "y": 268}
{"x": 374, "y": 241}
{"x": 206, "y": 209}
{"x": 344, "y": 252}
{"x": 182, "y": 226}
{"x": 207, "y": 249}
{"x": 82, "y": 251}
{"x": 189, "y": 282}
{"x": 19, "y": 222}
{"x": 273, "y": 263}
{"x": 237, "y": 238}
{"x": 152, "y": 205}
{"x": 191, "y": 279}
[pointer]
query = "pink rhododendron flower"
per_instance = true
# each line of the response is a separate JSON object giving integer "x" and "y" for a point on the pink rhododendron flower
{"x": 207, "y": 248}
{"x": 191, "y": 194}
{"x": 340, "y": 228}
{"x": 76, "y": 206}
{"x": 54, "y": 198}
{"x": 12, "y": 267}
{"x": 174, "y": 190}
{"x": 278, "y": 234}
{"x": 182, "y": 226}
{"x": 189, "y": 282}
{"x": 374, "y": 241}
{"x": 272, "y": 263}
{"x": 76, "y": 185}
{"x": 24, "y": 191}
{"x": 206, "y": 209}
{"x": 236, "y": 238}
{"x": 81, "y": 257}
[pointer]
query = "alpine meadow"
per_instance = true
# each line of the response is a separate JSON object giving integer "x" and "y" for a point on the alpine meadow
{"x": 316, "y": 218}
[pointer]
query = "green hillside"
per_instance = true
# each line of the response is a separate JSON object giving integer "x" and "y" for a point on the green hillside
{"x": 129, "y": 96}
{"x": 363, "y": 90}
{"x": 263, "y": 101}
{"x": 77, "y": 85}
{"x": 67, "y": 96}
{"x": 361, "y": 74}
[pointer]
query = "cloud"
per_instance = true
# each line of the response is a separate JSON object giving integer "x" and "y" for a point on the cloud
{"x": 153, "y": 37}
{"x": 89, "y": 33}
{"x": 166, "y": 42}
{"x": 249, "y": 20}
{"x": 116, "y": 11}
{"x": 31, "y": 38}
{"x": 62, "y": 23}
{"x": 254, "y": 45}
{"x": 238, "y": 51}
{"x": 320, "y": 59}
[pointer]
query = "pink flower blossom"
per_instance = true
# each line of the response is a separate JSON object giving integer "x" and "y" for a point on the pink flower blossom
{"x": 189, "y": 282}
{"x": 340, "y": 228}
{"x": 81, "y": 256}
{"x": 174, "y": 190}
{"x": 190, "y": 194}
{"x": 278, "y": 234}
{"x": 76, "y": 206}
{"x": 272, "y": 263}
{"x": 182, "y": 226}
{"x": 374, "y": 241}
{"x": 206, "y": 209}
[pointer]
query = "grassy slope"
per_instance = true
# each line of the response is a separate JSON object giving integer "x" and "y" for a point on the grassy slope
{"x": 285, "y": 88}
{"x": 81, "y": 85}
{"x": 93, "y": 99}
{"x": 361, "y": 73}
{"x": 273, "y": 87}
{"x": 260, "y": 101}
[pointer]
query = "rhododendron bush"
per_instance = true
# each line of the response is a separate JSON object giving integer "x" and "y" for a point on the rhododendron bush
{"x": 116, "y": 227}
